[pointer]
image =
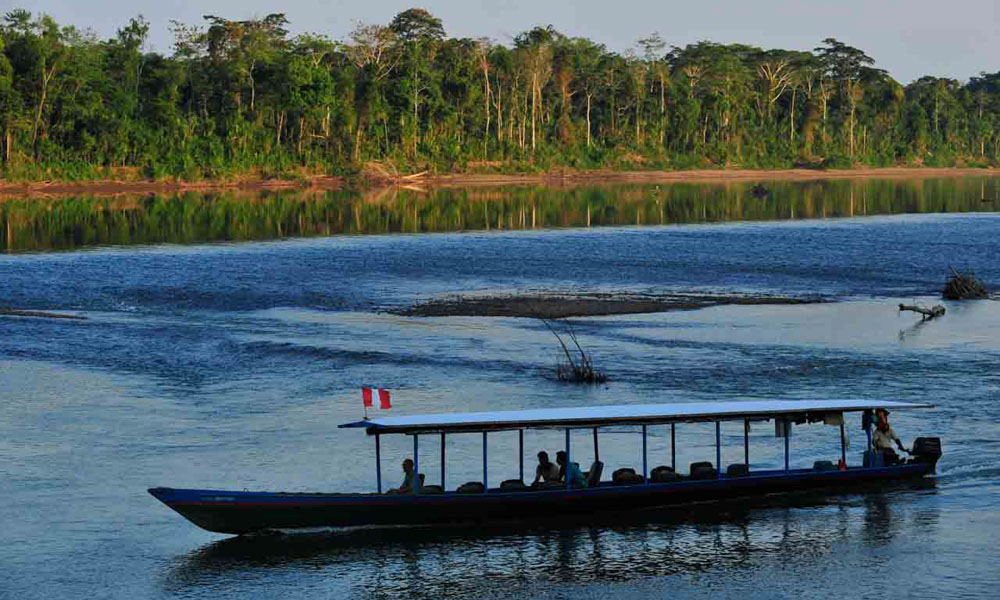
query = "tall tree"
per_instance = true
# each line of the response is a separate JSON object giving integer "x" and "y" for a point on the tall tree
{"x": 419, "y": 32}
{"x": 587, "y": 57}
{"x": 375, "y": 52}
{"x": 8, "y": 103}
{"x": 653, "y": 55}
{"x": 536, "y": 45}
{"x": 245, "y": 45}
{"x": 848, "y": 65}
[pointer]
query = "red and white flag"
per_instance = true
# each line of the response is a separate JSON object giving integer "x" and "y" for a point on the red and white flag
{"x": 367, "y": 395}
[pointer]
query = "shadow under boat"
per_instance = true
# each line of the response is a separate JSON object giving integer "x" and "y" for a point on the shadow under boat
{"x": 310, "y": 549}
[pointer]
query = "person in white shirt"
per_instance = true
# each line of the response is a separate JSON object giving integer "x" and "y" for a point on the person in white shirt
{"x": 546, "y": 471}
{"x": 884, "y": 436}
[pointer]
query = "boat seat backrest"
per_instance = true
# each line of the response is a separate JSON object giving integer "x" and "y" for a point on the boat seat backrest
{"x": 626, "y": 476}
{"x": 594, "y": 475}
{"x": 624, "y": 471}
{"x": 702, "y": 470}
{"x": 472, "y": 487}
{"x": 737, "y": 470}
{"x": 662, "y": 474}
{"x": 513, "y": 485}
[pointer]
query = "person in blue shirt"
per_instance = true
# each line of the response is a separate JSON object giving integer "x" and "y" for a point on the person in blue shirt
{"x": 576, "y": 478}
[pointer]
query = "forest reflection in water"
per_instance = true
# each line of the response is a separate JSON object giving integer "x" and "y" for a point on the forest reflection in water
{"x": 60, "y": 223}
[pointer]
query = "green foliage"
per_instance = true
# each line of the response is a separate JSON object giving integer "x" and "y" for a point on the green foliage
{"x": 241, "y": 98}
{"x": 837, "y": 161}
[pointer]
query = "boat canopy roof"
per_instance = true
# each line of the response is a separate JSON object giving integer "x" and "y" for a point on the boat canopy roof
{"x": 618, "y": 414}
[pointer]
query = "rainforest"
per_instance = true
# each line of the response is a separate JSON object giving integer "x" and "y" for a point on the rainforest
{"x": 246, "y": 99}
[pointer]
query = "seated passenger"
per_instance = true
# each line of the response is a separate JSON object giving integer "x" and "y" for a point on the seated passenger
{"x": 407, "y": 486}
{"x": 546, "y": 471}
{"x": 884, "y": 436}
{"x": 576, "y": 478}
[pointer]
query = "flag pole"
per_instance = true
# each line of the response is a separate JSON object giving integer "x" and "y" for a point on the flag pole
{"x": 366, "y": 398}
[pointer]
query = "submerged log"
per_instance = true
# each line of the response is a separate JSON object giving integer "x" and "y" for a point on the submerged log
{"x": 928, "y": 313}
{"x": 15, "y": 312}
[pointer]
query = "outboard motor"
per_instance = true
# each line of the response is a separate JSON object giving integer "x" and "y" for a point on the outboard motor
{"x": 927, "y": 450}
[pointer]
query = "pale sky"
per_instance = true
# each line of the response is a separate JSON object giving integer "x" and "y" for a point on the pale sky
{"x": 909, "y": 38}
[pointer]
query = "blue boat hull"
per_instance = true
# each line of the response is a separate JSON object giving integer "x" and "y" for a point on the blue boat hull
{"x": 235, "y": 512}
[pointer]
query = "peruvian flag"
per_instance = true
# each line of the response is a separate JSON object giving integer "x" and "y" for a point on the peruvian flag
{"x": 383, "y": 397}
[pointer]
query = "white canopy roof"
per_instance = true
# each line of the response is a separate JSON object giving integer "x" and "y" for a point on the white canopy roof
{"x": 597, "y": 416}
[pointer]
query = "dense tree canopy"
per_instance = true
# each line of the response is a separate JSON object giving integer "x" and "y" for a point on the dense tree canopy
{"x": 242, "y": 96}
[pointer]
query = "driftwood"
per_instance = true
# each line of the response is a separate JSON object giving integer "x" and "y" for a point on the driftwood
{"x": 377, "y": 172}
{"x": 580, "y": 370}
{"x": 928, "y": 313}
{"x": 964, "y": 286}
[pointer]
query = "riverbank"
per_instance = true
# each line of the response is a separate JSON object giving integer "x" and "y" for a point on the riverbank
{"x": 111, "y": 186}
{"x": 554, "y": 177}
{"x": 711, "y": 175}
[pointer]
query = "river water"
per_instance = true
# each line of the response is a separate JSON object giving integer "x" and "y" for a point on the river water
{"x": 226, "y": 337}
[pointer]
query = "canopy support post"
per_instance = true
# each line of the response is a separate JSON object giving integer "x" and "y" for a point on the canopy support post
{"x": 486, "y": 482}
{"x": 442, "y": 462}
{"x": 718, "y": 450}
{"x": 597, "y": 449}
{"x": 566, "y": 466}
{"x": 746, "y": 444}
{"x": 378, "y": 464}
{"x": 645, "y": 466}
{"x": 416, "y": 464}
{"x": 866, "y": 424}
{"x": 788, "y": 429}
{"x": 520, "y": 451}
{"x": 673, "y": 447}
{"x": 843, "y": 444}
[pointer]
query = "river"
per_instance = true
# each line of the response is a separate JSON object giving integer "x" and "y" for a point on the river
{"x": 226, "y": 336}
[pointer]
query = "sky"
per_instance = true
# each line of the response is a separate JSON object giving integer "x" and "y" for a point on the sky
{"x": 909, "y": 38}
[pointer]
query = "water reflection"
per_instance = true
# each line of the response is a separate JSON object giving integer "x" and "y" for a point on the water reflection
{"x": 497, "y": 560}
{"x": 37, "y": 223}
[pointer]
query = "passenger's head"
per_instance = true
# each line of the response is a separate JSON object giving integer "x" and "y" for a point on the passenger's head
{"x": 407, "y": 465}
{"x": 882, "y": 416}
{"x": 561, "y": 457}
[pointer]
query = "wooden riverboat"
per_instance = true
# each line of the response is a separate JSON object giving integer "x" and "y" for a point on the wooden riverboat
{"x": 239, "y": 512}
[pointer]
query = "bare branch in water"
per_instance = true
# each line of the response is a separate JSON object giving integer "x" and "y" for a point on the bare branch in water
{"x": 573, "y": 371}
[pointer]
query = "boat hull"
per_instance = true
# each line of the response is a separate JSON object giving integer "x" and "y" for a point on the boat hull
{"x": 234, "y": 512}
